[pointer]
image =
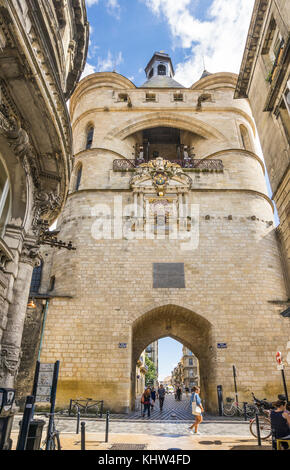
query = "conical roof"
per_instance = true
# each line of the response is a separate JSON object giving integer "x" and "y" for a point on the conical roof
{"x": 161, "y": 81}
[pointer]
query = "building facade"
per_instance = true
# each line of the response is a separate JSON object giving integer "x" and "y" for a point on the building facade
{"x": 173, "y": 227}
{"x": 190, "y": 369}
{"x": 43, "y": 47}
{"x": 265, "y": 80}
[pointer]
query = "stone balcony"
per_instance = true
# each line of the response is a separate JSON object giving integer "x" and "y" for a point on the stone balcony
{"x": 198, "y": 165}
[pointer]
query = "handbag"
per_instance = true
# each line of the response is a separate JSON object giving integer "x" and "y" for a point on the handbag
{"x": 196, "y": 410}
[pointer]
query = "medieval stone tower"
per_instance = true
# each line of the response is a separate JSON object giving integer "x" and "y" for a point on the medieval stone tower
{"x": 173, "y": 229}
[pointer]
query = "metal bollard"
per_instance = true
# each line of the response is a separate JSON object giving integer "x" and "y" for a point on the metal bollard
{"x": 78, "y": 421}
{"x": 258, "y": 430}
{"x": 245, "y": 410}
{"x": 83, "y": 435}
{"x": 21, "y": 444}
{"x": 107, "y": 426}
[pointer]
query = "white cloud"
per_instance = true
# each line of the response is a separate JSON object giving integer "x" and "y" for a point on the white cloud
{"x": 112, "y": 6}
{"x": 88, "y": 70}
{"x": 220, "y": 39}
{"x": 109, "y": 63}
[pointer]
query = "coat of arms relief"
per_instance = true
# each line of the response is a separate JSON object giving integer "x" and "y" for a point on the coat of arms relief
{"x": 160, "y": 188}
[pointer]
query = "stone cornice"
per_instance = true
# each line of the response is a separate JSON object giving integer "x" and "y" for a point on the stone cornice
{"x": 203, "y": 190}
{"x": 252, "y": 42}
{"x": 168, "y": 110}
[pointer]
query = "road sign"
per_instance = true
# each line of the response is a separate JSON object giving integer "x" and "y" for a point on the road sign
{"x": 44, "y": 384}
{"x": 278, "y": 357}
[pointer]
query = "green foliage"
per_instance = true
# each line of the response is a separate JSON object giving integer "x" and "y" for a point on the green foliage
{"x": 151, "y": 374}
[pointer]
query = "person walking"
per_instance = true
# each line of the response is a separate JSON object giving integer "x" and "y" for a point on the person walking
{"x": 197, "y": 410}
{"x": 146, "y": 401}
{"x": 178, "y": 393}
{"x": 153, "y": 397}
{"x": 161, "y": 396}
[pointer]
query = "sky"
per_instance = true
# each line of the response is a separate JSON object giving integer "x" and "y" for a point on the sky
{"x": 124, "y": 34}
{"x": 197, "y": 34}
{"x": 169, "y": 354}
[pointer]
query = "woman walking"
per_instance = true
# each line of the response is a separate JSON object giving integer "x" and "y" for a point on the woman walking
{"x": 146, "y": 401}
{"x": 197, "y": 410}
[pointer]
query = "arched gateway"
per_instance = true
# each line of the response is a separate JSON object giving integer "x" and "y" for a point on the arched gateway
{"x": 187, "y": 327}
{"x": 174, "y": 236}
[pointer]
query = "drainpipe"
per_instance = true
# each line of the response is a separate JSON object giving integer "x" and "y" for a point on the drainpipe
{"x": 43, "y": 327}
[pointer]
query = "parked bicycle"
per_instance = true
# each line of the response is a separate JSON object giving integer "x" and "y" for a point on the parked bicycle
{"x": 263, "y": 408}
{"x": 86, "y": 406}
{"x": 52, "y": 440}
{"x": 232, "y": 408}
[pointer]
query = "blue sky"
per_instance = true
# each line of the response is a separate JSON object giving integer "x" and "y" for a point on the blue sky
{"x": 126, "y": 33}
{"x": 169, "y": 354}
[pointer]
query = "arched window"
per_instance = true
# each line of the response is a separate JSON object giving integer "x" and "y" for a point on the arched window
{"x": 246, "y": 141}
{"x": 90, "y": 136}
{"x": 5, "y": 198}
{"x": 36, "y": 279}
{"x": 161, "y": 70}
{"x": 51, "y": 283}
{"x": 78, "y": 177}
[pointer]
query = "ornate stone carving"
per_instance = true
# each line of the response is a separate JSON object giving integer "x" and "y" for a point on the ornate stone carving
{"x": 162, "y": 173}
{"x": 30, "y": 254}
{"x": 45, "y": 204}
{"x": 9, "y": 360}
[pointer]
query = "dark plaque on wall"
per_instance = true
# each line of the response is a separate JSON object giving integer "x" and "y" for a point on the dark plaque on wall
{"x": 166, "y": 275}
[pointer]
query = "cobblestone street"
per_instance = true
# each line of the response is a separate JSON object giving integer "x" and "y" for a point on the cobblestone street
{"x": 173, "y": 421}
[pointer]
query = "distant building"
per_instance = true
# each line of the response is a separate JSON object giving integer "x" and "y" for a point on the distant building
{"x": 190, "y": 368}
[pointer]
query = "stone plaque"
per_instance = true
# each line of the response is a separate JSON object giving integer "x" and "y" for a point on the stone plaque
{"x": 168, "y": 275}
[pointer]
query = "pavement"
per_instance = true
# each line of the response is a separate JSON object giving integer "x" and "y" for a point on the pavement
{"x": 163, "y": 430}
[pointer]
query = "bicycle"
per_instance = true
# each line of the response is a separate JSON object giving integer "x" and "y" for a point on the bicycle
{"x": 52, "y": 440}
{"x": 263, "y": 408}
{"x": 86, "y": 406}
{"x": 232, "y": 408}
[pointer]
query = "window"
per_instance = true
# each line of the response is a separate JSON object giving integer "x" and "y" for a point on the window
{"x": 151, "y": 73}
{"x": 123, "y": 97}
{"x": 272, "y": 50}
{"x": 177, "y": 97}
{"x": 36, "y": 279}
{"x": 150, "y": 97}
{"x": 190, "y": 361}
{"x": 90, "y": 135}
{"x": 5, "y": 198}
{"x": 52, "y": 283}
{"x": 161, "y": 69}
{"x": 78, "y": 177}
{"x": 284, "y": 111}
{"x": 246, "y": 142}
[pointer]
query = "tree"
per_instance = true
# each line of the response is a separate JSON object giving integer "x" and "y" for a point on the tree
{"x": 151, "y": 374}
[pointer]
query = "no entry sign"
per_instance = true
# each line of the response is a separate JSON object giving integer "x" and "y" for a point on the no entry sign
{"x": 279, "y": 358}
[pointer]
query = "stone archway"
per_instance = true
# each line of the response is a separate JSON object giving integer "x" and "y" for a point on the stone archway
{"x": 185, "y": 326}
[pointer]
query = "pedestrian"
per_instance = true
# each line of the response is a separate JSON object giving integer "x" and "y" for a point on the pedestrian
{"x": 161, "y": 395}
{"x": 186, "y": 391}
{"x": 178, "y": 393}
{"x": 153, "y": 397}
{"x": 146, "y": 401}
{"x": 280, "y": 420}
{"x": 197, "y": 409}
